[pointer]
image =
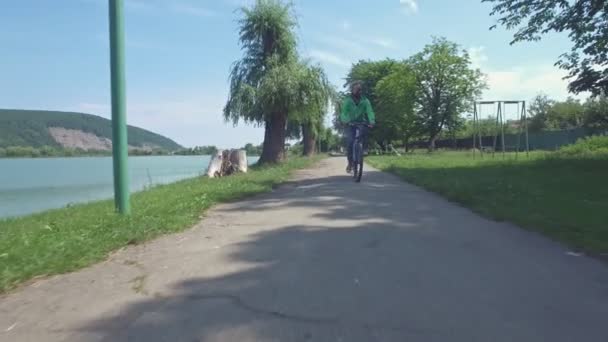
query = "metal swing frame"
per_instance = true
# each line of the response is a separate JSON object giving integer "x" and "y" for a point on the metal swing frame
{"x": 500, "y": 127}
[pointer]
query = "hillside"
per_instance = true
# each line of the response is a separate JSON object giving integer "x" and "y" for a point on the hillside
{"x": 35, "y": 128}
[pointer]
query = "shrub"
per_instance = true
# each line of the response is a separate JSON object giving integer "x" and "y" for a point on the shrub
{"x": 593, "y": 145}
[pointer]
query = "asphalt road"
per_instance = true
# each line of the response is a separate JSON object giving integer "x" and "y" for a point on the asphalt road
{"x": 325, "y": 259}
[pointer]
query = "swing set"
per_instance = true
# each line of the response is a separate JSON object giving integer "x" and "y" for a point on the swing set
{"x": 499, "y": 127}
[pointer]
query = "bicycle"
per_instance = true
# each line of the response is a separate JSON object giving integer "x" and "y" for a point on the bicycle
{"x": 357, "y": 150}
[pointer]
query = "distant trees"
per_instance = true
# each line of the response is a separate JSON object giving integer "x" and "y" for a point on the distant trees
{"x": 46, "y": 152}
{"x": 198, "y": 151}
{"x": 422, "y": 96}
{"x": 253, "y": 150}
{"x": 329, "y": 140}
{"x": 596, "y": 112}
{"x": 539, "y": 112}
{"x": 425, "y": 97}
{"x": 547, "y": 114}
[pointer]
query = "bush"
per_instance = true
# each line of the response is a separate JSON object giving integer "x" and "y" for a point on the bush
{"x": 20, "y": 151}
{"x": 593, "y": 145}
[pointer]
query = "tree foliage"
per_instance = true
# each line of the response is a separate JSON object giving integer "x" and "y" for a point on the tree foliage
{"x": 253, "y": 150}
{"x": 585, "y": 21}
{"x": 268, "y": 41}
{"x": 198, "y": 151}
{"x": 270, "y": 85}
{"x": 370, "y": 73}
{"x": 596, "y": 113}
{"x": 547, "y": 114}
{"x": 446, "y": 86}
{"x": 539, "y": 112}
{"x": 395, "y": 95}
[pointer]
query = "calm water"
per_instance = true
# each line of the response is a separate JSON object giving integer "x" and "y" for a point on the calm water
{"x": 33, "y": 185}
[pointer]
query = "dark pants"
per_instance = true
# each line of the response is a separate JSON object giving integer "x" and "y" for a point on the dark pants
{"x": 350, "y": 138}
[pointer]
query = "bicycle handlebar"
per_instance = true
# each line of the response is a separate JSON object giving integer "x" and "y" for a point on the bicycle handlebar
{"x": 360, "y": 124}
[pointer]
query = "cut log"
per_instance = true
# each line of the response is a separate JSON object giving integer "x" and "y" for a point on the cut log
{"x": 215, "y": 165}
{"x": 227, "y": 162}
{"x": 238, "y": 158}
{"x": 226, "y": 167}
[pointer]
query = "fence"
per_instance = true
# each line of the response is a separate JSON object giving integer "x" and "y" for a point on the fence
{"x": 547, "y": 140}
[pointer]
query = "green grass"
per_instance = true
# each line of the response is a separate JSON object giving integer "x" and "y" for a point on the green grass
{"x": 563, "y": 197}
{"x": 67, "y": 239}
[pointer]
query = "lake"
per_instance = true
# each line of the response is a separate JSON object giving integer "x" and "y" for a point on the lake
{"x": 31, "y": 185}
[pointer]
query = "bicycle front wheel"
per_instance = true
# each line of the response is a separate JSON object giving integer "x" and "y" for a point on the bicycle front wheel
{"x": 358, "y": 167}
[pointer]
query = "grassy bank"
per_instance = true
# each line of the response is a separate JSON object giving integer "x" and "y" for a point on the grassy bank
{"x": 64, "y": 240}
{"x": 564, "y": 197}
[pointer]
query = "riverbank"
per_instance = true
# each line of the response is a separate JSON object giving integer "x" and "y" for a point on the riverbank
{"x": 33, "y": 185}
{"x": 64, "y": 240}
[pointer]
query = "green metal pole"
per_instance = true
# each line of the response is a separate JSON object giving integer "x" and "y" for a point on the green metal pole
{"x": 119, "y": 117}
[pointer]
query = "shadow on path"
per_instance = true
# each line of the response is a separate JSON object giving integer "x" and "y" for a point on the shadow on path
{"x": 376, "y": 261}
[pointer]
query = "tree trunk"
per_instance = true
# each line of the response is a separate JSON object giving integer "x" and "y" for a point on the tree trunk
{"x": 406, "y": 144}
{"x": 274, "y": 139}
{"x": 432, "y": 143}
{"x": 266, "y": 142}
{"x": 382, "y": 144}
{"x": 308, "y": 140}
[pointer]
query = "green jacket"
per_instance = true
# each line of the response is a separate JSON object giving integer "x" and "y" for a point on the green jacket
{"x": 361, "y": 112}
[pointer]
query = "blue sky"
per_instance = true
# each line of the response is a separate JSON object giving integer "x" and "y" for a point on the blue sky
{"x": 55, "y": 55}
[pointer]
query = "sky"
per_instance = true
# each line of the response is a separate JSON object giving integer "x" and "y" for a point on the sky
{"x": 55, "y": 55}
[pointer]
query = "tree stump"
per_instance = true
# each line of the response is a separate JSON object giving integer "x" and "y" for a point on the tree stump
{"x": 239, "y": 159}
{"x": 215, "y": 165}
{"x": 227, "y": 162}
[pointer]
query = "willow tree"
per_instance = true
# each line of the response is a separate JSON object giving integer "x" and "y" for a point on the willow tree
{"x": 306, "y": 122}
{"x": 270, "y": 85}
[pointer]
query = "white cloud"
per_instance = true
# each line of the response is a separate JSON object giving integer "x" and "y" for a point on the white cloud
{"x": 350, "y": 46}
{"x": 159, "y": 6}
{"x": 346, "y": 25}
{"x": 520, "y": 82}
{"x": 193, "y": 10}
{"x": 241, "y": 3}
{"x": 328, "y": 57}
{"x": 137, "y": 5}
{"x": 355, "y": 46}
{"x": 409, "y": 6}
{"x": 384, "y": 42}
{"x": 523, "y": 83}
{"x": 478, "y": 56}
{"x": 191, "y": 117}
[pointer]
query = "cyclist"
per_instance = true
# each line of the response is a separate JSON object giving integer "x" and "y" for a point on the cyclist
{"x": 356, "y": 108}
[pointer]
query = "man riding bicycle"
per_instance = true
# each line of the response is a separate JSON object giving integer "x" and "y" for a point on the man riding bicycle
{"x": 356, "y": 108}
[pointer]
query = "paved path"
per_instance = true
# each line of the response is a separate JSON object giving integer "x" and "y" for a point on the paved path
{"x": 325, "y": 259}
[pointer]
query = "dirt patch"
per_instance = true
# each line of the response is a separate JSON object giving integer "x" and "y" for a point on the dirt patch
{"x": 77, "y": 139}
{"x": 72, "y": 138}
